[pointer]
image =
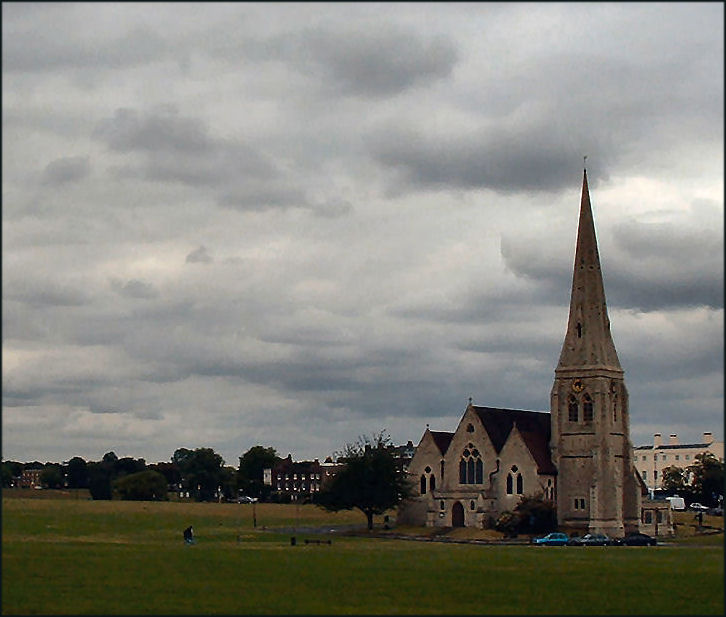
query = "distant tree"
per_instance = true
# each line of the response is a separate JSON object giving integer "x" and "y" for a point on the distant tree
{"x": 202, "y": 471}
{"x": 250, "y": 472}
{"x": 170, "y": 471}
{"x": 128, "y": 465}
{"x": 100, "y": 476}
{"x": 673, "y": 481}
{"x": 10, "y": 471}
{"x": 52, "y": 477}
{"x": 77, "y": 471}
{"x": 370, "y": 480}
{"x": 707, "y": 475}
{"x": 142, "y": 486}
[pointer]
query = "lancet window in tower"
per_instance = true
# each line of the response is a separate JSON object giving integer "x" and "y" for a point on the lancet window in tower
{"x": 471, "y": 467}
{"x": 574, "y": 409}
{"x": 587, "y": 409}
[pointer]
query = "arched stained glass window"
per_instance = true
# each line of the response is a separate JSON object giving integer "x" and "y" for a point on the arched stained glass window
{"x": 423, "y": 485}
{"x": 432, "y": 482}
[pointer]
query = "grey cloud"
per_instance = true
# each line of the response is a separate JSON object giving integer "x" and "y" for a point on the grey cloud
{"x": 652, "y": 267}
{"x": 261, "y": 196}
{"x": 159, "y": 130}
{"x": 498, "y": 159}
{"x": 24, "y": 51}
{"x": 44, "y": 293}
{"x": 373, "y": 64}
{"x": 65, "y": 170}
{"x": 134, "y": 288}
{"x": 199, "y": 255}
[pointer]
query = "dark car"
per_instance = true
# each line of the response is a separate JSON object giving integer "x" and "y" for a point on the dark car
{"x": 591, "y": 539}
{"x": 637, "y": 539}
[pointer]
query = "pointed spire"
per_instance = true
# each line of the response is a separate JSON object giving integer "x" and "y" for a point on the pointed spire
{"x": 588, "y": 342}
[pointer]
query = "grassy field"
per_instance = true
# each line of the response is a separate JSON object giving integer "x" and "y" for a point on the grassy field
{"x": 84, "y": 557}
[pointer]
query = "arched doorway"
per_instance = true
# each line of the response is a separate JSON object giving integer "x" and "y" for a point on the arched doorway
{"x": 457, "y": 515}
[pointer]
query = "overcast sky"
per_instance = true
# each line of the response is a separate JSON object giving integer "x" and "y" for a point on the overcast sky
{"x": 294, "y": 224}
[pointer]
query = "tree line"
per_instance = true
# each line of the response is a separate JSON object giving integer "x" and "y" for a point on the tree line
{"x": 702, "y": 482}
{"x": 202, "y": 473}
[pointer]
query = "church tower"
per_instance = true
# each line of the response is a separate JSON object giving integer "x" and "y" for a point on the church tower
{"x": 597, "y": 490}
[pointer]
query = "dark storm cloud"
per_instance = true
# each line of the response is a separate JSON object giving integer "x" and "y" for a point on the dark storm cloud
{"x": 199, "y": 255}
{"x": 44, "y": 292}
{"x": 158, "y": 130}
{"x": 652, "y": 266}
{"x": 496, "y": 159}
{"x": 373, "y": 64}
{"x": 179, "y": 149}
{"x": 139, "y": 45}
{"x": 66, "y": 169}
{"x": 134, "y": 288}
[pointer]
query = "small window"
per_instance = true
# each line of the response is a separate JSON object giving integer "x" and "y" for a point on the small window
{"x": 659, "y": 516}
{"x": 655, "y": 474}
{"x": 428, "y": 469}
{"x": 469, "y": 428}
{"x": 678, "y": 458}
{"x": 472, "y": 505}
{"x": 644, "y": 473}
{"x": 665, "y": 457}
{"x": 574, "y": 412}
{"x": 442, "y": 505}
{"x": 688, "y": 457}
{"x": 587, "y": 409}
{"x": 648, "y": 517}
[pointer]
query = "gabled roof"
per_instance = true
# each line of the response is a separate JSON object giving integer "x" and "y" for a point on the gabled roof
{"x": 442, "y": 439}
{"x": 534, "y": 426}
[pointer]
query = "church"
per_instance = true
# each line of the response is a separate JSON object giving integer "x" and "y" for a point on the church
{"x": 577, "y": 455}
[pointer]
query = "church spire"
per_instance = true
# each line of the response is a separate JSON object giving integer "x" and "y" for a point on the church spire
{"x": 588, "y": 342}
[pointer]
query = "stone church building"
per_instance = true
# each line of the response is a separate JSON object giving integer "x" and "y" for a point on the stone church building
{"x": 578, "y": 455}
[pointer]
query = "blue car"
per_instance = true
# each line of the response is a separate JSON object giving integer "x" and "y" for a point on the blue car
{"x": 553, "y": 539}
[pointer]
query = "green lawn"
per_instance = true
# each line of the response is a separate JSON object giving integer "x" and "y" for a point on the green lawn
{"x": 85, "y": 557}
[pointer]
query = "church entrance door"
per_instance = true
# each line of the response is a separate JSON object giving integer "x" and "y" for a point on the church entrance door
{"x": 457, "y": 515}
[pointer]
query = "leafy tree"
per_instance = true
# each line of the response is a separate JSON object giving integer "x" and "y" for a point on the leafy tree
{"x": 77, "y": 473}
{"x": 99, "y": 480}
{"x": 202, "y": 471}
{"x": 508, "y": 523}
{"x": 250, "y": 473}
{"x": 673, "y": 481}
{"x": 10, "y": 471}
{"x": 52, "y": 477}
{"x": 170, "y": 471}
{"x": 128, "y": 465}
{"x": 708, "y": 478}
{"x": 142, "y": 486}
{"x": 535, "y": 515}
{"x": 370, "y": 480}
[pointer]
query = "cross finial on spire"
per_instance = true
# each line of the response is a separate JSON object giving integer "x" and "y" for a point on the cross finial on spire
{"x": 470, "y": 400}
{"x": 584, "y": 162}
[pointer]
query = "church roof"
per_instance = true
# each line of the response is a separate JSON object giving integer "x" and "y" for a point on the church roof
{"x": 442, "y": 439}
{"x": 534, "y": 426}
{"x": 588, "y": 342}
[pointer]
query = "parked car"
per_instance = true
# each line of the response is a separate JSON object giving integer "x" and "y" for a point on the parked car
{"x": 637, "y": 539}
{"x": 697, "y": 507}
{"x": 591, "y": 539}
{"x": 246, "y": 499}
{"x": 555, "y": 538}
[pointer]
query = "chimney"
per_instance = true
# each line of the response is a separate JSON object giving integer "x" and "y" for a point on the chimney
{"x": 673, "y": 439}
{"x": 707, "y": 437}
{"x": 657, "y": 441}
